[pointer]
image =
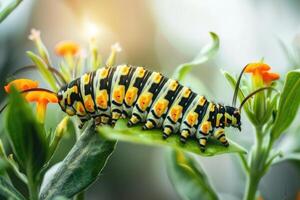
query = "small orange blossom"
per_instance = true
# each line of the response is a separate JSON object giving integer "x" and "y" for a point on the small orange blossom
{"x": 260, "y": 74}
{"x": 21, "y": 85}
{"x": 66, "y": 48}
{"x": 42, "y": 98}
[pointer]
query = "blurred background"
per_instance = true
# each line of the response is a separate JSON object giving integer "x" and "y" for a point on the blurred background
{"x": 161, "y": 35}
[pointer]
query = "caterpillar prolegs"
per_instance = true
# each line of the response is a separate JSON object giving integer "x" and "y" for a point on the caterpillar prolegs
{"x": 146, "y": 97}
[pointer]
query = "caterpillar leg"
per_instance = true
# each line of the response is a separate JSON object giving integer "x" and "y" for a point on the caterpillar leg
{"x": 150, "y": 124}
{"x": 82, "y": 122}
{"x": 134, "y": 120}
{"x": 116, "y": 114}
{"x": 219, "y": 134}
{"x": 203, "y": 134}
{"x": 202, "y": 142}
{"x": 167, "y": 131}
{"x": 97, "y": 120}
{"x": 184, "y": 135}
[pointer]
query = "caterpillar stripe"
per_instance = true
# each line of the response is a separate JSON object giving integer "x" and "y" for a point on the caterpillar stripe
{"x": 146, "y": 97}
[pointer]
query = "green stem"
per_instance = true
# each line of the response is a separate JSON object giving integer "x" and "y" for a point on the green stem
{"x": 251, "y": 187}
{"x": 256, "y": 161}
{"x": 32, "y": 186}
{"x": 244, "y": 162}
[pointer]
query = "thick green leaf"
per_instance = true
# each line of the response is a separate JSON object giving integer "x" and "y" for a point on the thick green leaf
{"x": 288, "y": 103}
{"x": 154, "y": 137}
{"x": 206, "y": 53}
{"x": 26, "y": 135}
{"x": 42, "y": 66}
{"x": 81, "y": 167}
{"x": 7, "y": 8}
{"x": 187, "y": 177}
{"x": 8, "y": 191}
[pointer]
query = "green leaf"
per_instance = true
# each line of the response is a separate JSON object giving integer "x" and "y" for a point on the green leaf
{"x": 8, "y": 191}
{"x": 206, "y": 53}
{"x": 42, "y": 66}
{"x": 25, "y": 134}
{"x": 154, "y": 137}
{"x": 81, "y": 167}
{"x": 288, "y": 104}
{"x": 187, "y": 177}
{"x": 7, "y": 8}
{"x": 288, "y": 157}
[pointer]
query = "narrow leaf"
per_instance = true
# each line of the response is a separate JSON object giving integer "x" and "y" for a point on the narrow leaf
{"x": 26, "y": 135}
{"x": 187, "y": 177}
{"x": 288, "y": 103}
{"x": 288, "y": 157}
{"x": 154, "y": 137}
{"x": 81, "y": 167}
{"x": 206, "y": 53}
{"x": 8, "y": 191}
{"x": 7, "y": 8}
{"x": 42, "y": 66}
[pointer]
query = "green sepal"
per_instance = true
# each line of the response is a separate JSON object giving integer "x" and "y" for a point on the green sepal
{"x": 206, "y": 53}
{"x": 187, "y": 177}
{"x": 154, "y": 137}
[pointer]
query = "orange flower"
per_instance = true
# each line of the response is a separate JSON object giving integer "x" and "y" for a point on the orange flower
{"x": 66, "y": 48}
{"x": 42, "y": 98}
{"x": 21, "y": 85}
{"x": 260, "y": 74}
{"x": 257, "y": 68}
{"x": 269, "y": 77}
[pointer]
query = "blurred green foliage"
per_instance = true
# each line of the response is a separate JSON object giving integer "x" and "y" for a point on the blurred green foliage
{"x": 7, "y": 8}
{"x": 188, "y": 178}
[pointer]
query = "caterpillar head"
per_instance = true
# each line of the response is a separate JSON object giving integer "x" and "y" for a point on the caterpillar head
{"x": 233, "y": 117}
{"x": 62, "y": 99}
{"x": 63, "y": 96}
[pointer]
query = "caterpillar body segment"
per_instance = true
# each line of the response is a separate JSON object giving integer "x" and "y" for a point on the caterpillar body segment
{"x": 146, "y": 97}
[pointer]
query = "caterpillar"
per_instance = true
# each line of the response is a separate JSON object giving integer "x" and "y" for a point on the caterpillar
{"x": 148, "y": 97}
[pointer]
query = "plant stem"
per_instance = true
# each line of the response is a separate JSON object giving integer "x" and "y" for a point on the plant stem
{"x": 251, "y": 187}
{"x": 256, "y": 165}
{"x": 32, "y": 186}
{"x": 244, "y": 162}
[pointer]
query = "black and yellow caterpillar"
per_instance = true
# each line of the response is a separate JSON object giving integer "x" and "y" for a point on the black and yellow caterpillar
{"x": 146, "y": 97}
